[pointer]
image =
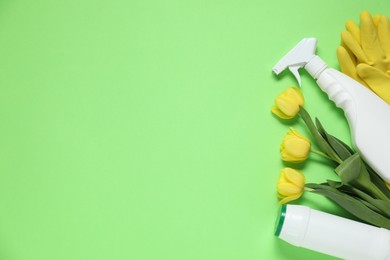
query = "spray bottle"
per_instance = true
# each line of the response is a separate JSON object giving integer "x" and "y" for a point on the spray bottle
{"x": 367, "y": 114}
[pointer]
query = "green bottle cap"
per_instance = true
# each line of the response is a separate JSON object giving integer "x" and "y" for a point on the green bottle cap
{"x": 280, "y": 220}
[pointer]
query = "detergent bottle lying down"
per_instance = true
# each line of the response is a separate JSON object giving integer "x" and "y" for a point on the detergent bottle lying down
{"x": 340, "y": 237}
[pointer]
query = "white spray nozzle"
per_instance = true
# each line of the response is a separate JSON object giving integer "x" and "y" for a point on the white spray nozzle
{"x": 297, "y": 58}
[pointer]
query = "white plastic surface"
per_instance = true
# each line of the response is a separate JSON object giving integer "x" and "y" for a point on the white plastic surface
{"x": 333, "y": 235}
{"x": 298, "y": 57}
{"x": 368, "y": 117}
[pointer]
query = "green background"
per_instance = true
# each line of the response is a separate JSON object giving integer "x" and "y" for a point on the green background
{"x": 141, "y": 129}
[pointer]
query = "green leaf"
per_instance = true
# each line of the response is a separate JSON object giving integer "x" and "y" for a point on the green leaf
{"x": 334, "y": 184}
{"x": 351, "y": 204}
{"x": 342, "y": 150}
{"x": 350, "y": 169}
{"x": 321, "y": 142}
{"x": 382, "y": 205}
{"x": 370, "y": 206}
{"x": 378, "y": 181}
{"x": 349, "y": 190}
{"x": 354, "y": 171}
{"x": 320, "y": 128}
{"x": 351, "y": 151}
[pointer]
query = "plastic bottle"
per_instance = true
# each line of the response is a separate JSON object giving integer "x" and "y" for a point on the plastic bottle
{"x": 367, "y": 114}
{"x": 329, "y": 234}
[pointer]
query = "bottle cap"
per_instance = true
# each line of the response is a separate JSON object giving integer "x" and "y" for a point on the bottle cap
{"x": 280, "y": 220}
{"x": 291, "y": 224}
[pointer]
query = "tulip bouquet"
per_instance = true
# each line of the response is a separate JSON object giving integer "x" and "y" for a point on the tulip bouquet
{"x": 358, "y": 189}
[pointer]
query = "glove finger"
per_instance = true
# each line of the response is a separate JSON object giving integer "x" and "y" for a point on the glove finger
{"x": 375, "y": 19}
{"x": 384, "y": 34}
{"x": 351, "y": 44}
{"x": 369, "y": 38}
{"x": 376, "y": 80}
{"x": 354, "y": 30}
{"x": 348, "y": 64}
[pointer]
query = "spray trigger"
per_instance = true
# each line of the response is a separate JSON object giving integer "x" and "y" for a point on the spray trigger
{"x": 297, "y": 57}
{"x": 294, "y": 71}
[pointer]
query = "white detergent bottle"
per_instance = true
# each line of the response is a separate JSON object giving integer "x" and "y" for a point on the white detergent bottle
{"x": 367, "y": 114}
{"x": 329, "y": 234}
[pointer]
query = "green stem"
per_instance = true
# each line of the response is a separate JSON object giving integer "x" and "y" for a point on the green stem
{"x": 308, "y": 189}
{"x": 326, "y": 156}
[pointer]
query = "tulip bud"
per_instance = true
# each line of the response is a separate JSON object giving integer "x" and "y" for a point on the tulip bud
{"x": 287, "y": 103}
{"x": 295, "y": 148}
{"x": 290, "y": 185}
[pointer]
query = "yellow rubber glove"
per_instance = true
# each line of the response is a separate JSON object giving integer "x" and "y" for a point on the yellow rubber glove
{"x": 364, "y": 53}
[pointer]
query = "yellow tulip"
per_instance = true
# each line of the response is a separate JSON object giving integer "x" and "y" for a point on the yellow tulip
{"x": 290, "y": 185}
{"x": 295, "y": 148}
{"x": 287, "y": 103}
